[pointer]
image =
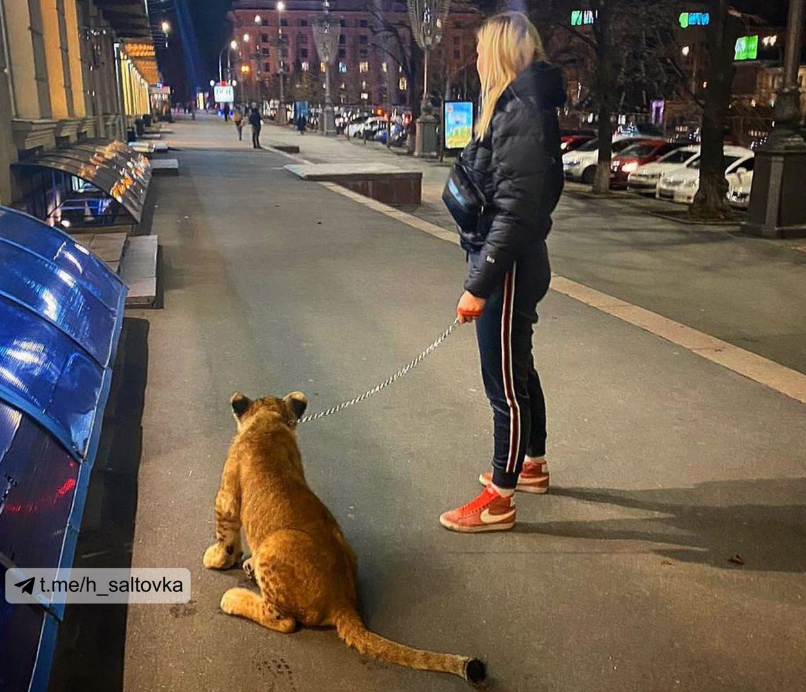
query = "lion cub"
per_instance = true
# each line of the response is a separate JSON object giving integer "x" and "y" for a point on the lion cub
{"x": 301, "y": 561}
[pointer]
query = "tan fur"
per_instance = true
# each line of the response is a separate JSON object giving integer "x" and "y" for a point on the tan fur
{"x": 301, "y": 561}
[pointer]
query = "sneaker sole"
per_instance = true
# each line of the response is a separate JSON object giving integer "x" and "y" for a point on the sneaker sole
{"x": 533, "y": 489}
{"x": 476, "y": 529}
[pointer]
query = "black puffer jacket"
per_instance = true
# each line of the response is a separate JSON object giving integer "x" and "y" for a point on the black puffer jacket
{"x": 519, "y": 168}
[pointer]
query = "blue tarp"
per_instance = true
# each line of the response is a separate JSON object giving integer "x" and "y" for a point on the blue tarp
{"x": 61, "y": 312}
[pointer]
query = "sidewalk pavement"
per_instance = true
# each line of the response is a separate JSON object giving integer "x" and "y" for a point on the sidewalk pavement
{"x": 664, "y": 465}
{"x": 746, "y": 291}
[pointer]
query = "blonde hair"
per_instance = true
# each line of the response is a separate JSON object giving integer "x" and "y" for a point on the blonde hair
{"x": 510, "y": 43}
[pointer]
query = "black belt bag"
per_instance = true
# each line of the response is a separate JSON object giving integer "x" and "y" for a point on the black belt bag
{"x": 463, "y": 198}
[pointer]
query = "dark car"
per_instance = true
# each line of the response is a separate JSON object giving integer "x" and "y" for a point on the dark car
{"x": 636, "y": 155}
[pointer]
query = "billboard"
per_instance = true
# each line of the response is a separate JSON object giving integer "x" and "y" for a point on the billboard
{"x": 746, "y": 48}
{"x": 224, "y": 94}
{"x": 458, "y": 125}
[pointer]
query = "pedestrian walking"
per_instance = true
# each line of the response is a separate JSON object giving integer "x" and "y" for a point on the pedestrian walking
{"x": 226, "y": 112}
{"x": 238, "y": 119}
{"x": 257, "y": 123}
{"x": 301, "y": 123}
{"x": 513, "y": 166}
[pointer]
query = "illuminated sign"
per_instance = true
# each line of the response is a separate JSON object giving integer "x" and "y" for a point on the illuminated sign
{"x": 746, "y": 48}
{"x": 458, "y": 124}
{"x": 582, "y": 17}
{"x": 224, "y": 94}
{"x": 688, "y": 19}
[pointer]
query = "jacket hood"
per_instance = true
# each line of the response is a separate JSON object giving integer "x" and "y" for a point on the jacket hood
{"x": 543, "y": 81}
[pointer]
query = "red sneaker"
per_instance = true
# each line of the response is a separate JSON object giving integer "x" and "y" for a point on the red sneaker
{"x": 534, "y": 478}
{"x": 488, "y": 512}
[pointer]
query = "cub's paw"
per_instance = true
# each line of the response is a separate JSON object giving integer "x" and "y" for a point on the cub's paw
{"x": 233, "y": 599}
{"x": 219, "y": 557}
{"x": 249, "y": 570}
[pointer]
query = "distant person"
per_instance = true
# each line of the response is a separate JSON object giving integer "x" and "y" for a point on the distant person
{"x": 238, "y": 119}
{"x": 301, "y": 123}
{"x": 257, "y": 123}
{"x": 514, "y": 162}
{"x": 226, "y": 112}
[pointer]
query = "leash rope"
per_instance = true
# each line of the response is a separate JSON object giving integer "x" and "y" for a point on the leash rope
{"x": 383, "y": 385}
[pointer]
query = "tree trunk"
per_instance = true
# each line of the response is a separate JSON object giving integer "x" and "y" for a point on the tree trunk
{"x": 606, "y": 86}
{"x": 711, "y": 200}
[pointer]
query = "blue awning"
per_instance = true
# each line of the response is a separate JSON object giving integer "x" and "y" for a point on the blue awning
{"x": 61, "y": 312}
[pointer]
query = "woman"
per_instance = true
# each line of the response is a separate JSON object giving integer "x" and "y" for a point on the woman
{"x": 257, "y": 123}
{"x": 514, "y": 159}
{"x": 237, "y": 118}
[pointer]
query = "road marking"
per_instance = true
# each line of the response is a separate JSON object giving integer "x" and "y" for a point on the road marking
{"x": 751, "y": 365}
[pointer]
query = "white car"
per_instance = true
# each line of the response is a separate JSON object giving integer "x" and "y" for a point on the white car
{"x": 580, "y": 164}
{"x": 372, "y": 125}
{"x": 644, "y": 179}
{"x": 681, "y": 184}
{"x": 739, "y": 185}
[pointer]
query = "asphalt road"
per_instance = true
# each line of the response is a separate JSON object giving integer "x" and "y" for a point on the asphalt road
{"x": 664, "y": 465}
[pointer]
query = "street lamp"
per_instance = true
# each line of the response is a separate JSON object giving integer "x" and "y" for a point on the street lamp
{"x": 777, "y": 207}
{"x": 427, "y": 19}
{"x": 258, "y": 19}
{"x": 326, "y": 30}
{"x": 281, "y": 113}
{"x": 166, "y": 27}
{"x": 232, "y": 46}
{"x": 246, "y": 38}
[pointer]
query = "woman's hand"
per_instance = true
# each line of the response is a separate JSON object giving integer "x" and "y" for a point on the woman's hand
{"x": 469, "y": 308}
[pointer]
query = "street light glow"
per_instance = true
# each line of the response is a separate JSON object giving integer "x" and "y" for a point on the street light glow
{"x": 166, "y": 27}
{"x": 233, "y": 45}
{"x": 212, "y": 82}
{"x": 258, "y": 19}
{"x": 281, "y": 6}
{"x": 686, "y": 50}
{"x": 246, "y": 38}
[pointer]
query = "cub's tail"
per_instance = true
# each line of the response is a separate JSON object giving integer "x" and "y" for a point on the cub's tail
{"x": 352, "y": 630}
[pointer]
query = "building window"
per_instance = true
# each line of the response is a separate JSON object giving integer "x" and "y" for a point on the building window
{"x": 306, "y": 66}
{"x": 266, "y": 67}
{"x": 363, "y": 39}
{"x": 384, "y": 67}
{"x": 264, "y": 38}
{"x": 322, "y": 67}
{"x": 283, "y": 22}
{"x": 342, "y": 39}
{"x": 363, "y": 66}
{"x": 403, "y": 84}
{"x": 303, "y": 52}
{"x": 363, "y": 86}
{"x": 284, "y": 53}
{"x": 303, "y": 22}
{"x": 342, "y": 53}
{"x": 343, "y": 22}
{"x": 363, "y": 23}
{"x": 302, "y": 38}
{"x": 264, "y": 51}
{"x": 457, "y": 40}
{"x": 457, "y": 54}
{"x": 363, "y": 53}
{"x": 342, "y": 67}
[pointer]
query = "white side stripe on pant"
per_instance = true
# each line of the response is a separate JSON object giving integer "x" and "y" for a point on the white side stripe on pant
{"x": 506, "y": 370}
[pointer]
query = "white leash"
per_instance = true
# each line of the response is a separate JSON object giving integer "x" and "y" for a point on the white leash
{"x": 385, "y": 383}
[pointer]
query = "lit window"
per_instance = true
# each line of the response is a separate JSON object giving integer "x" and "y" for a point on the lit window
{"x": 385, "y": 67}
{"x": 322, "y": 67}
{"x": 342, "y": 67}
{"x": 306, "y": 66}
{"x": 363, "y": 85}
{"x": 363, "y": 67}
{"x": 404, "y": 84}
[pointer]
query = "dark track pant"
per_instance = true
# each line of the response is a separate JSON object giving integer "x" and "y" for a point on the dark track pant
{"x": 504, "y": 333}
{"x": 256, "y": 137}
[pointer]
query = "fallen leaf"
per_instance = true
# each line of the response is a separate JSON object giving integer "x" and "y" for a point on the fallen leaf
{"x": 737, "y": 559}
{"x": 666, "y": 562}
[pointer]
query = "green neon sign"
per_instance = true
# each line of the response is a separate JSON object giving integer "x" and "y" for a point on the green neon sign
{"x": 746, "y": 48}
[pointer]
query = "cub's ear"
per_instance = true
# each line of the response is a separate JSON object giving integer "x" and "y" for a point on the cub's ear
{"x": 296, "y": 403}
{"x": 240, "y": 404}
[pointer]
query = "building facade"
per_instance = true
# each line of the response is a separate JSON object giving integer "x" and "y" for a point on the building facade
{"x": 69, "y": 71}
{"x": 377, "y": 60}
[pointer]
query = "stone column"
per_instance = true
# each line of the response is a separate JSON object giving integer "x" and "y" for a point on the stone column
{"x": 26, "y": 44}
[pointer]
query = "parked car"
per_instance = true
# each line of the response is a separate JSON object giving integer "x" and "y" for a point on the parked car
{"x": 572, "y": 142}
{"x": 644, "y": 179}
{"x": 634, "y": 156}
{"x": 368, "y": 127}
{"x": 581, "y": 164}
{"x": 640, "y": 130}
{"x": 739, "y": 186}
{"x": 682, "y": 184}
